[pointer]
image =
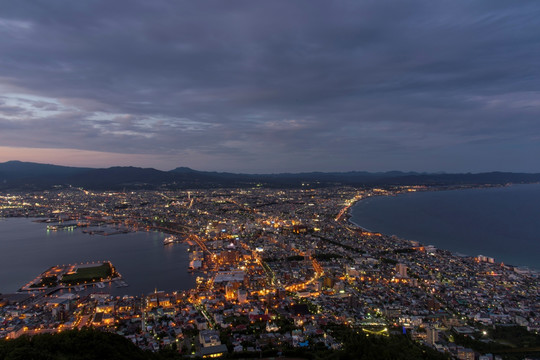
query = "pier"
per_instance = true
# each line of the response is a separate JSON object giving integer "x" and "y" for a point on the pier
{"x": 74, "y": 276}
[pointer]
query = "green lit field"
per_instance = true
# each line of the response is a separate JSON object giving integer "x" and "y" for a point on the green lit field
{"x": 89, "y": 274}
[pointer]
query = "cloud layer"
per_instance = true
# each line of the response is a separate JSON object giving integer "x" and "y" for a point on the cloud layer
{"x": 270, "y": 86}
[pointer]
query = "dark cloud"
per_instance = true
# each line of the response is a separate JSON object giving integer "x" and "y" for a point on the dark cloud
{"x": 277, "y": 85}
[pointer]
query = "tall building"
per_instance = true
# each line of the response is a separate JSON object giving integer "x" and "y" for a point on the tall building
{"x": 401, "y": 270}
{"x": 432, "y": 335}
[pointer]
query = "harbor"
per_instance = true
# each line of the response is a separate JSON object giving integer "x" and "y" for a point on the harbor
{"x": 140, "y": 256}
{"x": 76, "y": 277}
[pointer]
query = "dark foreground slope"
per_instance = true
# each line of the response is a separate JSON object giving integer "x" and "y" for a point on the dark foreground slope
{"x": 75, "y": 345}
{"x": 89, "y": 344}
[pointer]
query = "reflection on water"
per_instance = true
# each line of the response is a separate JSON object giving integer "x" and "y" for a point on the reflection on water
{"x": 27, "y": 249}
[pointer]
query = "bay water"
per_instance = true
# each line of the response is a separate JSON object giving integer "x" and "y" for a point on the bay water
{"x": 502, "y": 222}
{"x": 27, "y": 249}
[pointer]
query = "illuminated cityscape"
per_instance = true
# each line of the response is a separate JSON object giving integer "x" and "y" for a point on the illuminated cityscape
{"x": 275, "y": 269}
{"x": 194, "y": 179}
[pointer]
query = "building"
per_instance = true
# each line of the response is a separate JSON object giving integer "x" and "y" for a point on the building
{"x": 210, "y": 344}
{"x": 242, "y": 296}
{"x": 432, "y": 335}
{"x": 401, "y": 270}
{"x": 465, "y": 354}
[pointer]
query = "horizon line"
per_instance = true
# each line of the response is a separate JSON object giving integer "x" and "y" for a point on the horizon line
{"x": 407, "y": 172}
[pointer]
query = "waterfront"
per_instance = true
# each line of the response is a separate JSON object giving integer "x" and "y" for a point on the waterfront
{"x": 503, "y": 223}
{"x": 264, "y": 254}
{"x": 27, "y": 249}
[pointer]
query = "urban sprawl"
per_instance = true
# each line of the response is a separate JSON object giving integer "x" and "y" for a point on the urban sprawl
{"x": 274, "y": 270}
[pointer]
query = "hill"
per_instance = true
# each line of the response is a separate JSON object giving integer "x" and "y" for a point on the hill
{"x": 24, "y": 176}
{"x": 73, "y": 344}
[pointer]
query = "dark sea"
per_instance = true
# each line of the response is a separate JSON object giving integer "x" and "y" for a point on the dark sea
{"x": 27, "y": 249}
{"x": 503, "y": 223}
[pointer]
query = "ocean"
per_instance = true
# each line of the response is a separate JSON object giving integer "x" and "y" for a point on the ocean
{"x": 502, "y": 222}
{"x": 27, "y": 249}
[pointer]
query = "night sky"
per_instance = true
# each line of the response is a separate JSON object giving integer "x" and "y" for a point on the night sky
{"x": 272, "y": 86}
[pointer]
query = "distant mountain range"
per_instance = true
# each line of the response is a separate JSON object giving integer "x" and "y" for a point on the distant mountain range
{"x": 17, "y": 175}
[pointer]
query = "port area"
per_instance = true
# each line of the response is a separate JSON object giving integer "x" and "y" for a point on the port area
{"x": 172, "y": 239}
{"x": 90, "y": 226}
{"x": 76, "y": 277}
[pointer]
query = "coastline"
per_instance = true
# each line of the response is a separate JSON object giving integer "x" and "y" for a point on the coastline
{"x": 461, "y": 254}
{"x": 138, "y": 256}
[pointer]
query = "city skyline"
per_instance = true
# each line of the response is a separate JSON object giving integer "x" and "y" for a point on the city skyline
{"x": 258, "y": 87}
{"x": 270, "y": 270}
